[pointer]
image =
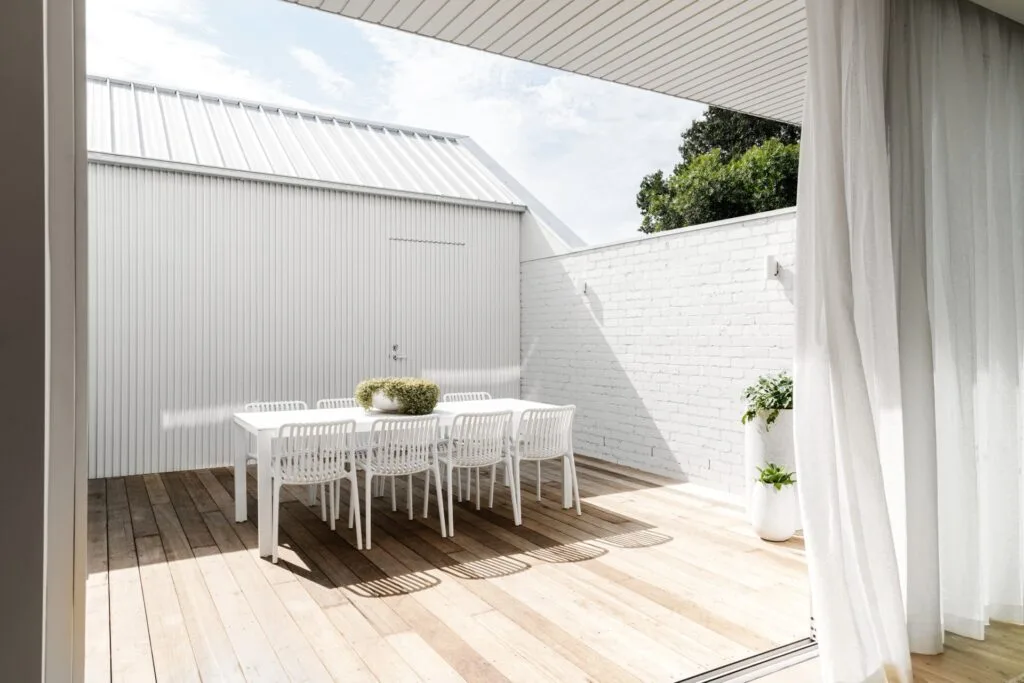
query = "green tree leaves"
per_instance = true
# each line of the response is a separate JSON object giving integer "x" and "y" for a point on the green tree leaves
{"x": 753, "y": 168}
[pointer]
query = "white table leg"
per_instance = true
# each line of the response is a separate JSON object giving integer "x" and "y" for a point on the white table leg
{"x": 264, "y": 501}
{"x": 241, "y": 513}
{"x": 566, "y": 484}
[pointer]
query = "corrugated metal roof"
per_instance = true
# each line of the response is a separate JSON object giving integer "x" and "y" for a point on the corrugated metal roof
{"x": 747, "y": 55}
{"x": 163, "y": 124}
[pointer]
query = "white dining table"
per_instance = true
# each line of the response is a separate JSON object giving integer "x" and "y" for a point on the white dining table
{"x": 267, "y": 426}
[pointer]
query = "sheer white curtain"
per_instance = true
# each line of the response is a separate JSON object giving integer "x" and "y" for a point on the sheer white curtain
{"x": 957, "y": 127}
{"x": 910, "y": 333}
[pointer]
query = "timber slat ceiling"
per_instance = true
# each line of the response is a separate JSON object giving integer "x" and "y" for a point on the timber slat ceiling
{"x": 748, "y": 55}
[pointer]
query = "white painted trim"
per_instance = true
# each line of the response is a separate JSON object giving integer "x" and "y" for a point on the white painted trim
{"x": 195, "y": 169}
{"x": 749, "y": 218}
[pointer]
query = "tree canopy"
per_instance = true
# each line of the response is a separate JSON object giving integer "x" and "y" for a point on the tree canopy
{"x": 733, "y": 164}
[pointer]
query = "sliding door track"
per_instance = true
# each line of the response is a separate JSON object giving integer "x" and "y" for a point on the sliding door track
{"x": 758, "y": 665}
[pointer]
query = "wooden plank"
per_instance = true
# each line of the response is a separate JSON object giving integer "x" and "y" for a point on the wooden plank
{"x": 155, "y": 489}
{"x": 173, "y": 659}
{"x": 252, "y": 647}
{"x": 298, "y": 659}
{"x": 377, "y": 653}
{"x": 131, "y": 657}
{"x": 143, "y": 523}
{"x": 200, "y": 496}
{"x": 117, "y": 496}
{"x": 191, "y": 519}
{"x": 97, "y": 594}
{"x": 211, "y": 646}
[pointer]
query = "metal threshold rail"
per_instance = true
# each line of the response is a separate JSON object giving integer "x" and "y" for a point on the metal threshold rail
{"x": 761, "y": 664}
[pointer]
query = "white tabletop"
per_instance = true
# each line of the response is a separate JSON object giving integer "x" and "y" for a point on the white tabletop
{"x": 445, "y": 412}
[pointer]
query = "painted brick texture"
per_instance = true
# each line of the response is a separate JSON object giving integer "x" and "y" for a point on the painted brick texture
{"x": 657, "y": 350}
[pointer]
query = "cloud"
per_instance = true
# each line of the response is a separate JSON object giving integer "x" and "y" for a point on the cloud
{"x": 579, "y": 144}
{"x": 331, "y": 81}
{"x": 168, "y": 42}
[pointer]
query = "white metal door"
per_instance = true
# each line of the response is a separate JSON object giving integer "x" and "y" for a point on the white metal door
{"x": 427, "y": 277}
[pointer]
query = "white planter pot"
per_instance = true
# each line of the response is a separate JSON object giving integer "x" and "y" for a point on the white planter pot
{"x": 384, "y": 404}
{"x": 773, "y": 512}
{"x": 762, "y": 446}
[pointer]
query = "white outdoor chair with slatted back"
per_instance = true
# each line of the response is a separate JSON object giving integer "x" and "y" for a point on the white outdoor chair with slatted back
{"x": 316, "y": 454}
{"x": 477, "y": 440}
{"x": 331, "y": 403}
{"x": 457, "y": 397}
{"x": 545, "y": 434}
{"x": 402, "y": 447}
{"x": 243, "y": 457}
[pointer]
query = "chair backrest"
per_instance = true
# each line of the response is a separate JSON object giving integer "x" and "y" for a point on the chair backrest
{"x": 466, "y": 396}
{"x": 546, "y": 432}
{"x": 403, "y": 445}
{"x": 479, "y": 439}
{"x": 348, "y": 402}
{"x": 315, "y": 452}
{"x": 275, "y": 406}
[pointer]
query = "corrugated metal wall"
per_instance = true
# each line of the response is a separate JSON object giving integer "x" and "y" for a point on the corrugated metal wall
{"x": 208, "y": 292}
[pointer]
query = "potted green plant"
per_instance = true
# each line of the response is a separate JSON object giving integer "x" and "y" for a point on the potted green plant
{"x": 768, "y": 428}
{"x": 774, "y": 504}
{"x": 406, "y": 395}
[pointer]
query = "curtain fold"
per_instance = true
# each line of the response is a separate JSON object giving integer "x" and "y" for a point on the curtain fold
{"x": 846, "y": 370}
{"x": 910, "y": 328}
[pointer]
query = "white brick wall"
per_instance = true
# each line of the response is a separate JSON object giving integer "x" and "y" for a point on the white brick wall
{"x": 658, "y": 350}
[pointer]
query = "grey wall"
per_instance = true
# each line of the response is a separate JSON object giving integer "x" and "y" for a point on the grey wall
{"x": 41, "y": 502}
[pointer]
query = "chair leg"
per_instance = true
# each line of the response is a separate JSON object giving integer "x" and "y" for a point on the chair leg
{"x": 354, "y": 505}
{"x": 490, "y": 498}
{"x": 575, "y": 484}
{"x": 353, "y": 501}
{"x": 394, "y": 501}
{"x": 440, "y": 503}
{"x": 477, "y": 488}
{"x": 513, "y": 492}
{"x": 408, "y": 496}
{"x": 311, "y": 494}
{"x": 334, "y": 505}
{"x": 451, "y": 507}
{"x": 276, "y": 519}
{"x": 538, "y": 481}
{"x": 426, "y": 493}
{"x": 459, "y": 474}
{"x": 369, "y": 501}
{"x": 323, "y": 506}
{"x": 516, "y": 482}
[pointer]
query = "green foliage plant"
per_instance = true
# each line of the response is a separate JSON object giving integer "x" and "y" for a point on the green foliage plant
{"x": 414, "y": 396}
{"x": 775, "y": 475}
{"x": 769, "y": 395}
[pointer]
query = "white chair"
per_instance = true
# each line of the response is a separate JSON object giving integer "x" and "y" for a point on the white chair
{"x": 316, "y": 454}
{"x": 466, "y": 396}
{"x": 336, "y": 403}
{"x": 478, "y": 440}
{"x": 545, "y": 434}
{"x": 243, "y": 457}
{"x": 402, "y": 447}
{"x": 458, "y": 397}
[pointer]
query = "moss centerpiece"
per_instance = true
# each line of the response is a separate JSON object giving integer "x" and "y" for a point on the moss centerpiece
{"x": 406, "y": 395}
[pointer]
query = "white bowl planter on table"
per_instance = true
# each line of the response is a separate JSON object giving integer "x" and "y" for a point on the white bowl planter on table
{"x": 384, "y": 403}
{"x": 763, "y": 445}
{"x": 773, "y": 512}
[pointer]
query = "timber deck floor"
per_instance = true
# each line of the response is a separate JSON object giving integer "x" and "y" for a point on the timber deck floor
{"x": 657, "y": 580}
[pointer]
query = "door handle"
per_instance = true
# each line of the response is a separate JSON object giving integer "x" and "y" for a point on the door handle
{"x": 397, "y": 357}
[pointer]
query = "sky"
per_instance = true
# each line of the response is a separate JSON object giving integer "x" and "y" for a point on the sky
{"x": 580, "y": 145}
